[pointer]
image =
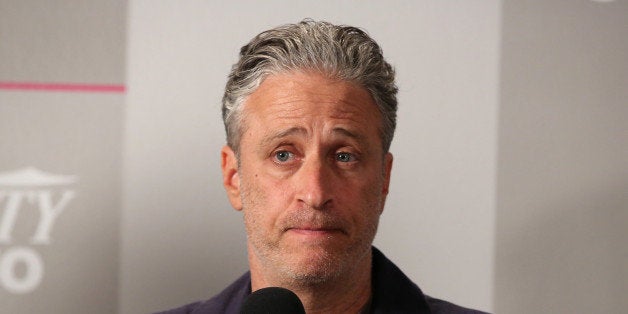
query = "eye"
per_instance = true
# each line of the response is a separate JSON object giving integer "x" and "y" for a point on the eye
{"x": 283, "y": 156}
{"x": 345, "y": 157}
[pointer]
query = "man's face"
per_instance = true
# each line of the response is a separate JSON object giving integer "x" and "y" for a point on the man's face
{"x": 312, "y": 178}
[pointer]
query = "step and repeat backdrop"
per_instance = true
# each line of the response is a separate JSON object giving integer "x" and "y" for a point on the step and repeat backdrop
{"x": 61, "y": 120}
{"x": 508, "y": 191}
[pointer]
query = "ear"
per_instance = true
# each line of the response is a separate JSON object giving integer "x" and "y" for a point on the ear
{"x": 388, "y": 161}
{"x": 230, "y": 176}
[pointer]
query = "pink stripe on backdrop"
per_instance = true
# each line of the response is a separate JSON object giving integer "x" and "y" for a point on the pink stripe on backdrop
{"x": 63, "y": 87}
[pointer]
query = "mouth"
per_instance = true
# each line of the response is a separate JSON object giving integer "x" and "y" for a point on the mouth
{"x": 315, "y": 232}
{"x": 309, "y": 226}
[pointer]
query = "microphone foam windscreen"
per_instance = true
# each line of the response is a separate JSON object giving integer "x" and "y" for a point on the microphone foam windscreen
{"x": 272, "y": 300}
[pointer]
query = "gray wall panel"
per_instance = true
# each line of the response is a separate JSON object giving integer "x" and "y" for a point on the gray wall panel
{"x": 62, "y": 41}
{"x": 69, "y": 135}
{"x": 60, "y": 152}
{"x": 562, "y": 219}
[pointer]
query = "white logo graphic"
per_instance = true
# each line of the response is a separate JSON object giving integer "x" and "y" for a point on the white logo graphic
{"x": 40, "y": 189}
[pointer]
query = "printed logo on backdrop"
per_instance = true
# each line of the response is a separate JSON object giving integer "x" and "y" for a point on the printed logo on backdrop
{"x": 29, "y": 189}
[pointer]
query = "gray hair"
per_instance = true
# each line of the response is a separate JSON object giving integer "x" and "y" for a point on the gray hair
{"x": 338, "y": 51}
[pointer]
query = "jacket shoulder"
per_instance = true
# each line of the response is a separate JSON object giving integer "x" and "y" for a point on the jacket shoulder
{"x": 228, "y": 301}
{"x": 438, "y": 306}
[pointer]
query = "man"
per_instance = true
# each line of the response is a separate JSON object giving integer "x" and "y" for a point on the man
{"x": 310, "y": 112}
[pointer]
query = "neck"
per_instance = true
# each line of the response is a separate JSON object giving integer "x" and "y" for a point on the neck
{"x": 348, "y": 293}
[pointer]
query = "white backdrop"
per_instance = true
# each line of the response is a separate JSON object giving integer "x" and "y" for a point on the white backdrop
{"x": 181, "y": 239}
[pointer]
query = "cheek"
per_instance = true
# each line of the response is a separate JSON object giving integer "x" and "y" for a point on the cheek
{"x": 263, "y": 200}
{"x": 363, "y": 199}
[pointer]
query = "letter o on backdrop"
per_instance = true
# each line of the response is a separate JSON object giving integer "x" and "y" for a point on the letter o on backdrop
{"x": 10, "y": 259}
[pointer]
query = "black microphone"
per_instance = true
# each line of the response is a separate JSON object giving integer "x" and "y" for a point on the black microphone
{"x": 273, "y": 300}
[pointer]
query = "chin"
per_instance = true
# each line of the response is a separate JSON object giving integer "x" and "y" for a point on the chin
{"x": 315, "y": 266}
{"x": 312, "y": 276}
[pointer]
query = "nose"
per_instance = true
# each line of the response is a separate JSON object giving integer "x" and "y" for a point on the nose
{"x": 313, "y": 183}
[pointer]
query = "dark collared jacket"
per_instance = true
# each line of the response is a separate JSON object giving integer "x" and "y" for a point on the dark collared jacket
{"x": 393, "y": 292}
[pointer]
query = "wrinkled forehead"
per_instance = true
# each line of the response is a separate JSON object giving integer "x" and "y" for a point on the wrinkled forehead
{"x": 298, "y": 97}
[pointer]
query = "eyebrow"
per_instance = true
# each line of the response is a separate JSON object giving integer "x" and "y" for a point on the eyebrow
{"x": 299, "y": 130}
{"x": 285, "y": 133}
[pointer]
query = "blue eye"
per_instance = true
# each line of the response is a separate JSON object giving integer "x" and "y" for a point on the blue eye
{"x": 345, "y": 157}
{"x": 283, "y": 156}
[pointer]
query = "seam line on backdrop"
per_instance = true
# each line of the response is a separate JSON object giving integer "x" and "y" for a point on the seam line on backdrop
{"x": 63, "y": 87}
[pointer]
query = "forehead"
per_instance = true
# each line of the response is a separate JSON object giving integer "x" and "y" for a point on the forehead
{"x": 300, "y": 96}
